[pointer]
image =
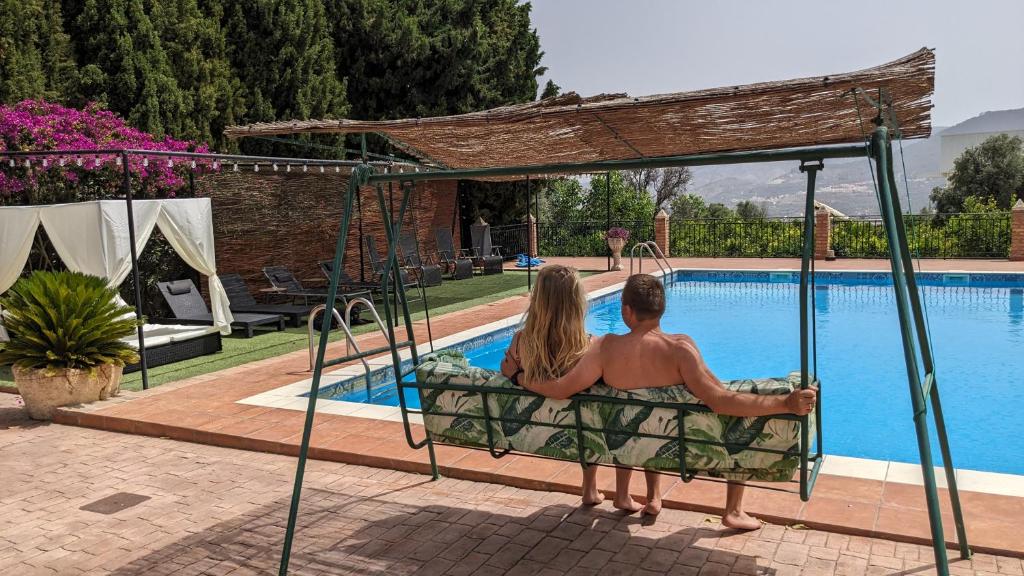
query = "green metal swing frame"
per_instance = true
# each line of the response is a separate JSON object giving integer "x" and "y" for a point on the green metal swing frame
{"x": 916, "y": 347}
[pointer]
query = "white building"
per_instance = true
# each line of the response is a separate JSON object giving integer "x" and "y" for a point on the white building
{"x": 974, "y": 131}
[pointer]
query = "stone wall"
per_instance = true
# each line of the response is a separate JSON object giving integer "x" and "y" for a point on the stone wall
{"x": 292, "y": 219}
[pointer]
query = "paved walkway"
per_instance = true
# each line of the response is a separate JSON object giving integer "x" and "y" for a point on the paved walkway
{"x": 218, "y": 511}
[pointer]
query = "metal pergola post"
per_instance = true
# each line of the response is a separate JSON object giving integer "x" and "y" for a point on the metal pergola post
{"x": 608, "y": 214}
{"x": 529, "y": 230}
{"x": 127, "y": 187}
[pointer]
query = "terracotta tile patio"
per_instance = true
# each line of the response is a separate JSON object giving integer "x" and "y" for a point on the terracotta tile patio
{"x": 212, "y": 510}
{"x": 204, "y": 410}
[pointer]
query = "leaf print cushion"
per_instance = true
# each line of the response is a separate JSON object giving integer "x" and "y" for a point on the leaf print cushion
{"x": 610, "y": 432}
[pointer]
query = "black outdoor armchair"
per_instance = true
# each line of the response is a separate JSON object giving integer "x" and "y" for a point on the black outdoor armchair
{"x": 282, "y": 278}
{"x": 486, "y": 256}
{"x": 428, "y": 273}
{"x": 457, "y": 263}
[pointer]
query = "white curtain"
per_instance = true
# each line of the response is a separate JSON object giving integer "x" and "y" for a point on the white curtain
{"x": 188, "y": 226}
{"x": 17, "y": 230}
{"x": 92, "y": 237}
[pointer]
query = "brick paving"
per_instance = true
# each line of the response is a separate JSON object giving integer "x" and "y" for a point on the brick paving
{"x": 219, "y": 511}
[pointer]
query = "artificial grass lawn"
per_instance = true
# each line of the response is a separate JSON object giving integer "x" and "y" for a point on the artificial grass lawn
{"x": 449, "y": 297}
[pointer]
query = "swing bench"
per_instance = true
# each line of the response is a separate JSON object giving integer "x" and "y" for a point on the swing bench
{"x": 805, "y": 121}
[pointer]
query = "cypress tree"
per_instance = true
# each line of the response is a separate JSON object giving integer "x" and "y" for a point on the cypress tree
{"x": 412, "y": 58}
{"x": 193, "y": 39}
{"x": 127, "y": 68}
{"x": 35, "y": 54}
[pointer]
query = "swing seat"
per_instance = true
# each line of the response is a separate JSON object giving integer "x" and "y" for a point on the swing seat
{"x": 474, "y": 407}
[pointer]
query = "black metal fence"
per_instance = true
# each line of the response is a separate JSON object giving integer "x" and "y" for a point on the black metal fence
{"x": 586, "y": 238}
{"x": 736, "y": 237}
{"x": 984, "y": 235}
{"x": 513, "y": 239}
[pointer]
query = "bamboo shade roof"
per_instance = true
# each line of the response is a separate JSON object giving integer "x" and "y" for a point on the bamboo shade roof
{"x": 568, "y": 129}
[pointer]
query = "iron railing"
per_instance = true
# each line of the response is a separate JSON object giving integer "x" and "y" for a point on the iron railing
{"x": 985, "y": 235}
{"x": 513, "y": 239}
{"x": 736, "y": 237}
{"x": 586, "y": 238}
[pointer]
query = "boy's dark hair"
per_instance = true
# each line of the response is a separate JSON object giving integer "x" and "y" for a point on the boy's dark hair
{"x": 645, "y": 295}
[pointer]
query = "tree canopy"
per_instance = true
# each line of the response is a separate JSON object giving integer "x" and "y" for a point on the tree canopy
{"x": 991, "y": 171}
{"x": 187, "y": 68}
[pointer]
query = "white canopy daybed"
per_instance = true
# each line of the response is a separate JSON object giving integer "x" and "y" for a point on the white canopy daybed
{"x": 93, "y": 238}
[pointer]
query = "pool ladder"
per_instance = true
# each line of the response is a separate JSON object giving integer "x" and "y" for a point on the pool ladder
{"x": 346, "y": 323}
{"x": 651, "y": 247}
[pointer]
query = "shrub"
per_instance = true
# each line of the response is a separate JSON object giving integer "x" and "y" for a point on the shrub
{"x": 65, "y": 320}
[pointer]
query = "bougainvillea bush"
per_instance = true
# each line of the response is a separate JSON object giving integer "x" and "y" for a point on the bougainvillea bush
{"x": 33, "y": 125}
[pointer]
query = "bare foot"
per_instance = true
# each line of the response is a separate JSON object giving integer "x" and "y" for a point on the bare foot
{"x": 593, "y": 498}
{"x": 740, "y": 521}
{"x": 653, "y": 507}
{"x": 627, "y": 505}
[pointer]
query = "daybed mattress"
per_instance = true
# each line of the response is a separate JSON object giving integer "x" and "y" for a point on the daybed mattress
{"x": 161, "y": 334}
{"x": 715, "y": 445}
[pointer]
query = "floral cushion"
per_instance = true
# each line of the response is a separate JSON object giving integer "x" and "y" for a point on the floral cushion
{"x": 716, "y": 445}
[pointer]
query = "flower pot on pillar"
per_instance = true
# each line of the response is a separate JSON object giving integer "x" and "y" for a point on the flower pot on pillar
{"x": 616, "y": 245}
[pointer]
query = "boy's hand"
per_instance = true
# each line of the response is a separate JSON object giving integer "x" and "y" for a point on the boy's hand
{"x": 801, "y": 402}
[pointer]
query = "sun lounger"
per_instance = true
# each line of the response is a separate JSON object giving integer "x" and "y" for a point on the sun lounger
{"x": 242, "y": 300}
{"x": 188, "y": 307}
{"x": 282, "y": 279}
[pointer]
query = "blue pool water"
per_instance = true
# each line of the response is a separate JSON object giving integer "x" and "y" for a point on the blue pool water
{"x": 747, "y": 326}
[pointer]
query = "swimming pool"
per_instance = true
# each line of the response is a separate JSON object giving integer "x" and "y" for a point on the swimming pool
{"x": 746, "y": 324}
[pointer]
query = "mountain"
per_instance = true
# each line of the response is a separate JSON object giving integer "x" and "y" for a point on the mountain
{"x": 845, "y": 184}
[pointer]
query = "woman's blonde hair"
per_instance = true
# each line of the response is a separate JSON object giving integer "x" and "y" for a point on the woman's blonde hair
{"x": 554, "y": 336}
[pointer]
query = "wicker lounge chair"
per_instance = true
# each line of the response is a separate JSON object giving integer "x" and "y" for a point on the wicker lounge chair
{"x": 455, "y": 262}
{"x": 170, "y": 343}
{"x": 282, "y": 279}
{"x": 242, "y": 301}
{"x": 377, "y": 264}
{"x": 486, "y": 256}
{"x": 189, "y": 308}
{"x": 429, "y": 274}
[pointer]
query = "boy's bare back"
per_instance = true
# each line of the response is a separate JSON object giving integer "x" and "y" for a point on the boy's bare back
{"x": 645, "y": 360}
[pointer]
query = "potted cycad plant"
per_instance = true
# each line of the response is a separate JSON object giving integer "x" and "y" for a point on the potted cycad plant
{"x": 65, "y": 348}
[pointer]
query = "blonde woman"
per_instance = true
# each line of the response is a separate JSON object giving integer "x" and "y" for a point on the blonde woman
{"x": 553, "y": 339}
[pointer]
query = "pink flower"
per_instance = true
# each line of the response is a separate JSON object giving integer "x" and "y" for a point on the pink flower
{"x": 41, "y": 125}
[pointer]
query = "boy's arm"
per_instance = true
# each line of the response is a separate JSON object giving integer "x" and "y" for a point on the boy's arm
{"x": 706, "y": 386}
{"x": 582, "y": 376}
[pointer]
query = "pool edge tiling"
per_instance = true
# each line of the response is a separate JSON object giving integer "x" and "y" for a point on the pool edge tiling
{"x": 206, "y": 409}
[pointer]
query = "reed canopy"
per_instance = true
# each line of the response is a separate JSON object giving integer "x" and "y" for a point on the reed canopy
{"x": 570, "y": 129}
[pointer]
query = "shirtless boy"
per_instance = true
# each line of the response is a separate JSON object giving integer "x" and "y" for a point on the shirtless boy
{"x": 646, "y": 357}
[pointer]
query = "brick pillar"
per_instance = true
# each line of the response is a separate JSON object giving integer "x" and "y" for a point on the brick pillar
{"x": 531, "y": 232}
{"x": 1017, "y": 232}
{"x": 822, "y": 234}
{"x": 661, "y": 231}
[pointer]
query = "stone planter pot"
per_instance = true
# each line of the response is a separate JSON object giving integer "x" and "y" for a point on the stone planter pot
{"x": 111, "y": 374}
{"x": 616, "y": 245}
{"x": 43, "y": 393}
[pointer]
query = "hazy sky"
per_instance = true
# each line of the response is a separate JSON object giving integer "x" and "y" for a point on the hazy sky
{"x": 655, "y": 46}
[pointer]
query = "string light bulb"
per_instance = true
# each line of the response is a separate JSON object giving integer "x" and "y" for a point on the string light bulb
{"x": 255, "y": 167}
{"x": 96, "y": 161}
{"x": 287, "y": 167}
{"x": 78, "y": 161}
{"x": 214, "y": 164}
{"x": 117, "y": 160}
{"x": 45, "y": 163}
{"x": 236, "y": 167}
{"x": 145, "y": 162}
{"x": 193, "y": 164}
{"x": 274, "y": 165}
{"x": 304, "y": 168}
{"x": 63, "y": 160}
{"x": 170, "y": 163}
{"x": 321, "y": 169}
